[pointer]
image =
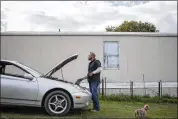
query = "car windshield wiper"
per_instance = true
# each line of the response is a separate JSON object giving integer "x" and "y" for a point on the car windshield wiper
{"x": 50, "y": 77}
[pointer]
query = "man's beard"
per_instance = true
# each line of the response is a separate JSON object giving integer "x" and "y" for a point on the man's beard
{"x": 90, "y": 59}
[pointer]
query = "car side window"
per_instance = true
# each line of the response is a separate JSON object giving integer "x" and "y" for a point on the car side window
{"x": 14, "y": 71}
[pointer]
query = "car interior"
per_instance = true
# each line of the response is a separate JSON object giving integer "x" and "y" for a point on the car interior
{"x": 2, "y": 69}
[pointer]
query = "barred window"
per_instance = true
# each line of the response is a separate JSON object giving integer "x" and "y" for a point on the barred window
{"x": 111, "y": 54}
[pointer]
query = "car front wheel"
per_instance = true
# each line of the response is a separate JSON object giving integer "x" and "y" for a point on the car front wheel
{"x": 57, "y": 103}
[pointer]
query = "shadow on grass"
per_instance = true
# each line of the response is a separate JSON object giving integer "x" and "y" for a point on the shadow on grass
{"x": 36, "y": 111}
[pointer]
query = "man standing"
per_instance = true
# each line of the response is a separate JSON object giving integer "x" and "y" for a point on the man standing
{"x": 94, "y": 70}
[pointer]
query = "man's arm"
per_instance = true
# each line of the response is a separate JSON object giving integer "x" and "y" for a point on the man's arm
{"x": 99, "y": 68}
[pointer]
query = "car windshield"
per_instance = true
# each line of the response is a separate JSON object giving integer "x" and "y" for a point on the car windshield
{"x": 33, "y": 70}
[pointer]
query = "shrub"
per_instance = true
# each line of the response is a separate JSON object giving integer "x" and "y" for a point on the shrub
{"x": 137, "y": 98}
{"x": 146, "y": 96}
{"x": 172, "y": 100}
{"x": 166, "y": 96}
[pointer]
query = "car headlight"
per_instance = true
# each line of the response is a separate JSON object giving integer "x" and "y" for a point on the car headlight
{"x": 80, "y": 89}
{"x": 77, "y": 87}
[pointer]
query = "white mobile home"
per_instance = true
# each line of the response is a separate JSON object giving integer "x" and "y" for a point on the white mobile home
{"x": 124, "y": 56}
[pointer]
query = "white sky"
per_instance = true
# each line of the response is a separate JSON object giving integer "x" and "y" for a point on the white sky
{"x": 86, "y": 16}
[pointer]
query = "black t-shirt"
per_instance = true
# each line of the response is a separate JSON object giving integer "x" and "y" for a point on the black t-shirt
{"x": 93, "y": 65}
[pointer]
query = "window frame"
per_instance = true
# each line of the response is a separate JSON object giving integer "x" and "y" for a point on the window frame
{"x": 14, "y": 75}
{"x": 118, "y": 48}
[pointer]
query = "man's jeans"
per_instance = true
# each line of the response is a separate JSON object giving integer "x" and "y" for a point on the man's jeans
{"x": 94, "y": 91}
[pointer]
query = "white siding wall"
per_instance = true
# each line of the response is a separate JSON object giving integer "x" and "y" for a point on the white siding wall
{"x": 155, "y": 57}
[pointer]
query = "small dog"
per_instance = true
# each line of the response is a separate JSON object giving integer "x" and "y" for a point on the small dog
{"x": 141, "y": 113}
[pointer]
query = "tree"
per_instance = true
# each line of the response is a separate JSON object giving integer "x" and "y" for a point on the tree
{"x": 133, "y": 26}
{"x": 110, "y": 28}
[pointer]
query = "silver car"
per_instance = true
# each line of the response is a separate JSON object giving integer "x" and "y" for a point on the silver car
{"x": 23, "y": 86}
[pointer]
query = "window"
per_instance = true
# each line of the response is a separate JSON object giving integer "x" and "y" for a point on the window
{"x": 111, "y": 54}
{"x": 13, "y": 70}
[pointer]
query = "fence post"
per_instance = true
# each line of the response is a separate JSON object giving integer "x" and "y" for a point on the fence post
{"x": 159, "y": 89}
{"x": 105, "y": 86}
{"x": 144, "y": 84}
{"x": 131, "y": 89}
{"x": 102, "y": 93}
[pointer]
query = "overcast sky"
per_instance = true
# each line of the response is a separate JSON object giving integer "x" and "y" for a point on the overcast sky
{"x": 85, "y": 16}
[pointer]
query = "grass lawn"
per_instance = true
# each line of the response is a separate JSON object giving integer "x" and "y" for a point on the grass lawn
{"x": 108, "y": 109}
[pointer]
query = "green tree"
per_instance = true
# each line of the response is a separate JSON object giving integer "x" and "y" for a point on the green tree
{"x": 133, "y": 26}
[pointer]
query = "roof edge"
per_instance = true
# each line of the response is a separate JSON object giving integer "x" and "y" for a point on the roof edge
{"x": 155, "y": 34}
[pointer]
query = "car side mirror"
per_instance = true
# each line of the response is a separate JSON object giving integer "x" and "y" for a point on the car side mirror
{"x": 28, "y": 76}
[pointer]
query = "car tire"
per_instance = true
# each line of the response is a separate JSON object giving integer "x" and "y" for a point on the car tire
{"x": 51, "y": 103}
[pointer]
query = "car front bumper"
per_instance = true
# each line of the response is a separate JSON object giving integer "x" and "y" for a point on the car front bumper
{"x": 81, "y": 99}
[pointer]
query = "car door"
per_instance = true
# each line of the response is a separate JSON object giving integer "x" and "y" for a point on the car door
{"x": 16, "y": 88}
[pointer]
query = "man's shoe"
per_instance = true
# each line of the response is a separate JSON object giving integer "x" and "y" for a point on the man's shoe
{"x": 93, "y": 110}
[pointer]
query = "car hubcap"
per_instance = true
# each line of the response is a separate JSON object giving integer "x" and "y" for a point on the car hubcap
{"x": 57, "y": 104}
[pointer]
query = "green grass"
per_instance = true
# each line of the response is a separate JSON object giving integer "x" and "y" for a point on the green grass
{"x": 108, "y": 109}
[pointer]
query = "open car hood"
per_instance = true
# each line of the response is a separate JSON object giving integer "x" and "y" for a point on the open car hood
{"x": 59, "y": 66}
